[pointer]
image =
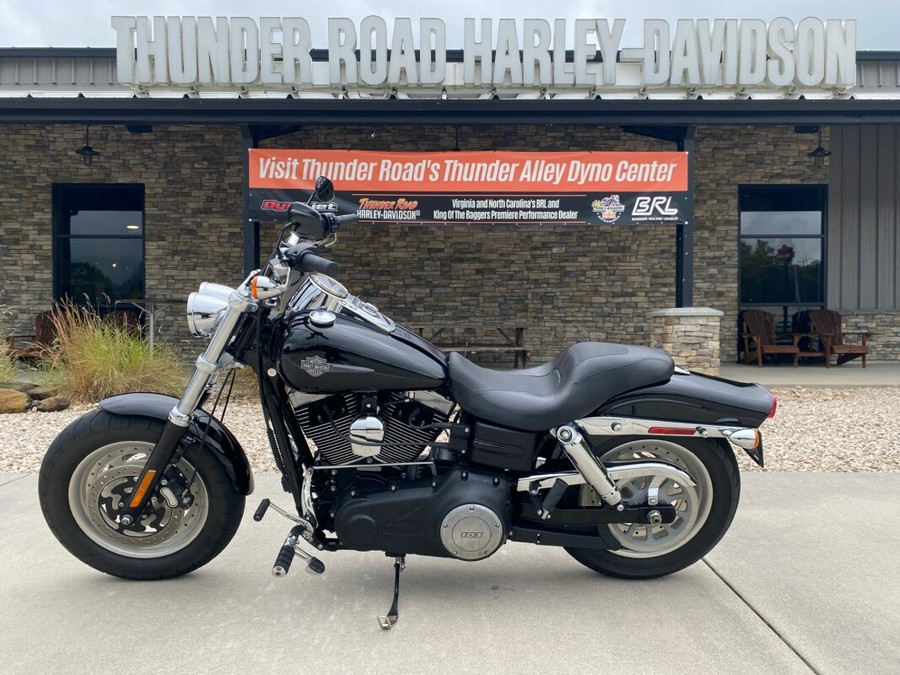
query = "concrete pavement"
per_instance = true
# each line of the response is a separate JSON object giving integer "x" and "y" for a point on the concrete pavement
{"x": 852, "y": 374}
{"x": 803, "y": 582}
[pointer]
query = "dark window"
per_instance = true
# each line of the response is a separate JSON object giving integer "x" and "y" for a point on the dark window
{"x": 782, "y": 247}
{"x": 98, "y": 242}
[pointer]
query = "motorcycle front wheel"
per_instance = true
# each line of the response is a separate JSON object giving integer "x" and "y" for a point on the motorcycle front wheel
{"x": 704, "y": 511}
{"x": 90, "y": 470}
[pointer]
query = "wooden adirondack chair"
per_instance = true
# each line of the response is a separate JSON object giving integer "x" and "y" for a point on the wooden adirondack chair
{"x": 759, "y": 337}
{"x": 827, "y": 324}
{"x": 34, "y": 345}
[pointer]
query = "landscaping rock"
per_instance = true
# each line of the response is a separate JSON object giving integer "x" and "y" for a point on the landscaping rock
{"x": 18, "y": 386}
{"x": 12, "y": 401}
{"x": 40, "y": 393}
{"x": 52, "y": 404}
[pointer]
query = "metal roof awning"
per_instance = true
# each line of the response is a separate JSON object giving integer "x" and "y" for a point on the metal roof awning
{"x": 81, "y": 110}
{"x": 59, "y": 86}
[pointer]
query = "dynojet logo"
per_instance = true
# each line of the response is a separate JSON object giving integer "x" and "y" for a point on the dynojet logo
{"x": 276, "y": 51}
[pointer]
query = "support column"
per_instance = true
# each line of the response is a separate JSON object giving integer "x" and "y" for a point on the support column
{"x": 251, "y": 227}
{"x": 684, "y": 236}
{"x": 690, "y": 335}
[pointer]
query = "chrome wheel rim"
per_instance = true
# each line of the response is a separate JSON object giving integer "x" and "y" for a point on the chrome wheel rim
{"x": 98, "y": 490}
{"x": 692, "y": 504}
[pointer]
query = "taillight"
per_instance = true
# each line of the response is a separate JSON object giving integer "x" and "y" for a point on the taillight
{"x": 773, "y": 408}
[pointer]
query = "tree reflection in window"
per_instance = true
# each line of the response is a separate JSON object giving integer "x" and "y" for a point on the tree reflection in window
{"x": 782, "y": 245}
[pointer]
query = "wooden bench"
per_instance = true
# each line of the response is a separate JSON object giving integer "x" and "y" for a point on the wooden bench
{"x": 510, "y": 340}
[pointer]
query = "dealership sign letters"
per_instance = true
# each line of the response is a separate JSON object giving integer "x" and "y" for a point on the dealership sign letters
{"x": 276, "y": 52}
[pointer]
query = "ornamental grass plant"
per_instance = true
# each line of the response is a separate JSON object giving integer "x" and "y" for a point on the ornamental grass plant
{"x": 96, "y": 357}
{"x": 7, "y": 367}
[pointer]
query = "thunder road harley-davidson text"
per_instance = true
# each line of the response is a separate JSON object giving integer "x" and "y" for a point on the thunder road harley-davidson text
{"x": 386, "y": 443}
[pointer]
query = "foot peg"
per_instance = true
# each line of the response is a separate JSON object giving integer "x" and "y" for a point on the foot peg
{"x": 291, "y": 548}
{"x": 387, "y": 622}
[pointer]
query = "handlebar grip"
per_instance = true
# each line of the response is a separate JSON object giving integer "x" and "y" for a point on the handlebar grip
{"x": 348, "y": 219}
{"x": 312, "y": 264}
{"x": 303, "y": 257}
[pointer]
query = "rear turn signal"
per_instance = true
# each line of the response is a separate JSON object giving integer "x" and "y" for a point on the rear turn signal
{"x": 748, "y": 439}
{"x": 773, "y": 408}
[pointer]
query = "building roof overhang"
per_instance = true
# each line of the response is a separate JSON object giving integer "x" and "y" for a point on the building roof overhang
{"x": 59, "y": 86}
{"x": 416, "y": 111}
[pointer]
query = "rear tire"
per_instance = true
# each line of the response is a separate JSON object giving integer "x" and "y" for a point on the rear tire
{"x": 86, "y": 476}
{"x": 704, "y": 512}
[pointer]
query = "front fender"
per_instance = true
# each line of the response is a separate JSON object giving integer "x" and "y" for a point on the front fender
{"x": 222, "y": 442}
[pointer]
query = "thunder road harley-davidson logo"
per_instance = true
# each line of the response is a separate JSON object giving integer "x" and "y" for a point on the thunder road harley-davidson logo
{"x": 315, "y": 366}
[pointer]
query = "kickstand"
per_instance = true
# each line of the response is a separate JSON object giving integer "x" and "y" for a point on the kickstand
{"x": 387, "y": 622}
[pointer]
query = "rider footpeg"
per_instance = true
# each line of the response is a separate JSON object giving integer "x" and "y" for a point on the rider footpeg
{"x": 553, "y": 497}
{"x": 315, "y": 566}
{"x": 289, "y": 549}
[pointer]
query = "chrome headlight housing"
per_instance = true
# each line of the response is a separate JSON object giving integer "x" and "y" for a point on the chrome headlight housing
{"x": 206, "y": 307}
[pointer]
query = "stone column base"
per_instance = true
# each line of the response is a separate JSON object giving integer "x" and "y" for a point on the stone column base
{"x": 690, "y": 335}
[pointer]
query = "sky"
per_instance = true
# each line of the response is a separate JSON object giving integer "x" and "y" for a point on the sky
{"x": 61, "y": 23}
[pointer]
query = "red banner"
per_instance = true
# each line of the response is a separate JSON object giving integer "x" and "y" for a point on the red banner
{"x": 468, "y": 172}
{"x": 479, "y": 187}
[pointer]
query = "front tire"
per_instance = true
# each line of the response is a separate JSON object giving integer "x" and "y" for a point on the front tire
{"x": 704, "y": 511}
{"x": 89, "y": 471}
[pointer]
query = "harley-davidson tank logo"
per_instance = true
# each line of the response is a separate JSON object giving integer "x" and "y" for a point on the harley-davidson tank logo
{"x": 315, "y": 366}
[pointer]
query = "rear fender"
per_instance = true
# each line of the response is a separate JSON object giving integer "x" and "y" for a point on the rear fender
{"x": 694, "y": 398}
{"x": 225, "y": 447}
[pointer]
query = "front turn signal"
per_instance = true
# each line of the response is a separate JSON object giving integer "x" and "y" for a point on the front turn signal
{"x": 263, "y": 287}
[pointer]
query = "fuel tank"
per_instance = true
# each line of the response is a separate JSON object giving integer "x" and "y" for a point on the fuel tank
{"x": 351, "y": 355}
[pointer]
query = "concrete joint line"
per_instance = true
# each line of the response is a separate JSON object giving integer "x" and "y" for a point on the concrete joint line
{"x": 753, "y": 609}
{"x": 12, "y": 480}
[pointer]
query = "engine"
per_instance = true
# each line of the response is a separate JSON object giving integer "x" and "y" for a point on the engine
{"x": 400, "y": 509}
{"x": 402, "y": 421}
{"x": 460, "y": 514}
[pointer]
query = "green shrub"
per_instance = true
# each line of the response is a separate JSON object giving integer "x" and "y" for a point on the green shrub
{"x": 97, "y": 357}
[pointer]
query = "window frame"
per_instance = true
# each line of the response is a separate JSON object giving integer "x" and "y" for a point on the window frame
{"x": 62, "y": 198}
{"x": 821, "y": 203}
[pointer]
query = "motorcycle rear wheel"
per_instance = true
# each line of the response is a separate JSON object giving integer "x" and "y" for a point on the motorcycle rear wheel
{"x": 85, "y": 479}
{"x": 704, "y": 511}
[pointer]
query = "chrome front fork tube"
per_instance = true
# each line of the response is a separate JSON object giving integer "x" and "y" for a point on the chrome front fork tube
{"x": 579, "y": 452}
{"x": 207, "y": 364}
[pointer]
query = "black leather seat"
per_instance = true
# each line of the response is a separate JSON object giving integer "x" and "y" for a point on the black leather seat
{"x": 572, "y": 385}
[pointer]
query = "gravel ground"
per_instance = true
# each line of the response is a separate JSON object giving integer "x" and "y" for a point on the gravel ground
{"x": 816, "y": 429}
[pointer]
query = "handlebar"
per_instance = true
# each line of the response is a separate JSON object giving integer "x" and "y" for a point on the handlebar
{"x": 304, "y": 257}
{"x": 316, "y": 225}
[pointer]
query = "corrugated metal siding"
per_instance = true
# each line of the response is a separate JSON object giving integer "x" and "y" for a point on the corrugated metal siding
{"x": 864, "y": 204}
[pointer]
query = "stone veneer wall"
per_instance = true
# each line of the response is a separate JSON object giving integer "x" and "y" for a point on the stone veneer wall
{"x": 192, "y": 219}
{"x": 564, "y": 283}
{"x": 884, "y": 326}
{"x": 727, "y": 157}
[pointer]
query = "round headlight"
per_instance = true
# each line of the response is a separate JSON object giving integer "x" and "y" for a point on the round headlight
{"x": 203, "y": 312}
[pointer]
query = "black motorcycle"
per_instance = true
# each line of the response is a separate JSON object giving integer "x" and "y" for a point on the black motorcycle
{"x": 386, "y": 443}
